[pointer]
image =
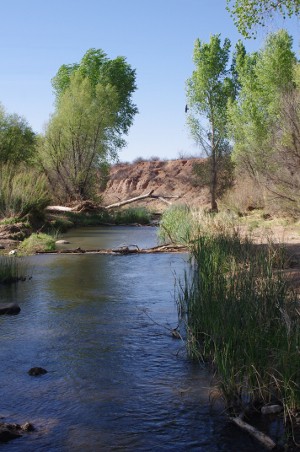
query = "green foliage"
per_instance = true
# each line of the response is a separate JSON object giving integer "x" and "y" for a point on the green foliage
{"x": 138, "y": 215}
{"x": 37, "y": 242}
{"x": 19, "y": 196}
{"x": 248, "y": 14}
{"x": 242, "y": 318}
{"x": 263, "y": 76}
{"x": 176, "y": 225}
{"x": 100, "y": 70}
{"x": 17, "y": 140}
{"x": 93, "y": 110}
{"x": 208, "y": 92}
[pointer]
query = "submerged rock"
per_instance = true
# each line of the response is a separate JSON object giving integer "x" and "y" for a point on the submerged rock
{"x": 9, "y": 308}
{"x": 36, "y": 371}
{"x": 10, "y": 431}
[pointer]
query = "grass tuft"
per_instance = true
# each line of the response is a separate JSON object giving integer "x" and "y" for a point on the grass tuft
{"x": 37, "y": 242}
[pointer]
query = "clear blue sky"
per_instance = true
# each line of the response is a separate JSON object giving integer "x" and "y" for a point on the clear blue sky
{"x": 156, "y": 37}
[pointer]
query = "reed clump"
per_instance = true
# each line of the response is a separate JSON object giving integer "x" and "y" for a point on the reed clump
{"x": 243, "y": 319}
{"x": 11, "y": 269}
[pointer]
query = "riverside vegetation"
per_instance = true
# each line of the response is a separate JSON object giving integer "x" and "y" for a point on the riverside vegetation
{"x": 241, "y": 315}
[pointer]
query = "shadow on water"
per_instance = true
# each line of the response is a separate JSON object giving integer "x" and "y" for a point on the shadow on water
{"x": 116, "y": 379}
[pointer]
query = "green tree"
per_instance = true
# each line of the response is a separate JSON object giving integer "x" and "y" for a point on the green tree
{"x": 263, "y": 77}
{"x": 248, "y": 14}
{"x": 93, "y": 110}
{"x": 17, "y": 139}
{"x": 208, "y": 91}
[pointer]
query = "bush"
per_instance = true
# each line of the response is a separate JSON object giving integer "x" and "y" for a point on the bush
{"x": 37, "y": 242}
{"x": 22, "y": 192}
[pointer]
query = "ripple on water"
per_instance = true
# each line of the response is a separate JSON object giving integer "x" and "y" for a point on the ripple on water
{"x": 116, "y": 378}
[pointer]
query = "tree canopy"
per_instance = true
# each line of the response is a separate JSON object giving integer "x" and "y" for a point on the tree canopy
{"x": 17, "y": 139}
{"x": 94, "y": 109}
{"x": 248, "y": 14}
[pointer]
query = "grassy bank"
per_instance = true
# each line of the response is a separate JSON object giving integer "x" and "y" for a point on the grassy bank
{"x": 241, "y": 316}
{"x": 133, "y": 215}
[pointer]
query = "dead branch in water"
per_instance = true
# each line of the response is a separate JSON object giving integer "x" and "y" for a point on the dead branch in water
{"x": 260, "y": 436}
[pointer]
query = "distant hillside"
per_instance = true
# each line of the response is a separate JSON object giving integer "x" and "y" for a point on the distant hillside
{"x": 172, "y": 180}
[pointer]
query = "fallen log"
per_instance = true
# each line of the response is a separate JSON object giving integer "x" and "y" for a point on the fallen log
{"x": 260, "y": 436}
{"x": 89, "y": 206}
{"x": 122, "y": 250}
{"x": 128, "y": 201}
{"x": 59, "y": 209}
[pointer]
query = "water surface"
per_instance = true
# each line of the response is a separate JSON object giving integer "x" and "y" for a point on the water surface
{"x": 117, "y": 380}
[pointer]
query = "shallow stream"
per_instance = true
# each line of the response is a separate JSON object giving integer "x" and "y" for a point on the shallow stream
{"x": 117, "y": 380}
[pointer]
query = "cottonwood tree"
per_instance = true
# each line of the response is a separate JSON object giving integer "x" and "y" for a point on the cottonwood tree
{"x": 264, "y": 76}
{"x": 248, "y": 14}
{"x": 264, "y": 120}
{"x": 94, "y": 110}
{"x": 208, "y": 91}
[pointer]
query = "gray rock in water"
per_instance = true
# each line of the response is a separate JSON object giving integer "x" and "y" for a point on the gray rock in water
{"x": 36, "y": 371}
{"x": 9, "y": 308}
{"x": 62, "y": 242}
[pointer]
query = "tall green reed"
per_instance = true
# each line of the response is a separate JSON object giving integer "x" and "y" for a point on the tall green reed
{"x": 243, "y": 319}
{"x": 11, "y": 269}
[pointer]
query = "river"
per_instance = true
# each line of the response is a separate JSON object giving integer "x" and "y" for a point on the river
{"x": 117, "y": 380}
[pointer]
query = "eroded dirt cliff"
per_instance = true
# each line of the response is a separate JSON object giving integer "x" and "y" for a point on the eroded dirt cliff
{"x": 171, "y": 180}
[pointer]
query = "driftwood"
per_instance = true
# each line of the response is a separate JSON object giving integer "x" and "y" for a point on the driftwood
{"x": 124, "y": 250}
{"x": 88, "y": 205}
{"x": 260, "y": 436}
{"x": 59, "y": 209}
{"x": 128, "y": 201}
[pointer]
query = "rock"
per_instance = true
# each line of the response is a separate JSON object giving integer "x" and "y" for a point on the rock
{"x": 271, "y": 409}
{"x": 9, "y": 308}
{"x": 27, "y": 427}
{"x": 9, "y": 431}
{"x": 36, "y": 371}
{"x": 62, "y": 242}
{"x": 2, "y": 247}
{"x": 13, "y": 253}
{"x": 12, "y": 431}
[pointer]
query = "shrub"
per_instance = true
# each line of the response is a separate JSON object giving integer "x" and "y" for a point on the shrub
{"x": 37, "y": 242}
{"x": 22, "y": 192}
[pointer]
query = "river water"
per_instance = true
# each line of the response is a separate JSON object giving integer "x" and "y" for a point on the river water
{"x": 117, "y": 380}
